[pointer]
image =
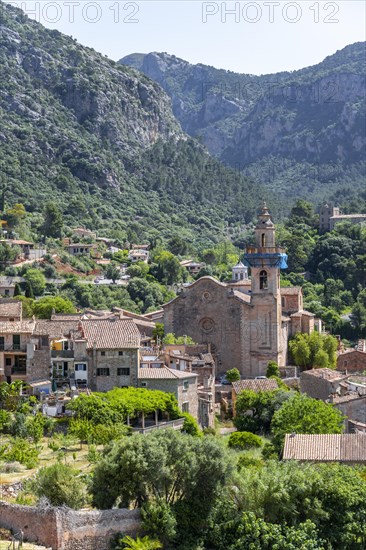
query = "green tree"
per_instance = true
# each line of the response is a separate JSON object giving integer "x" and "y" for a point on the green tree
{"x": 254, "y": 411}
{"x": 158, "y": 331}
{"x": 304, "y": 415}
{"x": 8, "y": 254}
{"x": 113, "y": 272}
{"x": 53, "y": 221}
{"x": 44, "y": 307}
{"x": 186, "y": 472}
{"x": 36, "y": 280}
{"x": 17, "y": 290}
{"x": 233, "y": 375}
{"x": 272, "y": 369}
{"x": 313, "y": 350}
{"x": 61, "y": 485}
{"x": 15, "y": 215}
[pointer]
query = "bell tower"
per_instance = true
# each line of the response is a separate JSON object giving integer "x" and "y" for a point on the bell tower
{"x": 265, "y": 260}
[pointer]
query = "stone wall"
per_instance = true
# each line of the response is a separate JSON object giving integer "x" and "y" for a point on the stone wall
{"x": 65, "y": 529}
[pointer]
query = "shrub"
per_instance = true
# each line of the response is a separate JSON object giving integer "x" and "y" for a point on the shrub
{"x": 246, "y": 461}
{"x": 20, "y": 450}
{"x": 190, "y": 425}
{"x": 158, "y": 520}
{"x": 269, "y": 451}
{"x": 244, "y": 440}
{"x": 61, "y": 485}
{"x": 5, "y": 418}
{"x": 272, "y": 369}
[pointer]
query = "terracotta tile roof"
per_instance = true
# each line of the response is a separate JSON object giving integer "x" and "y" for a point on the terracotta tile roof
{"x": 10, "y": 308}
{"x": 257, "y": 385}
{"x": 17, "y": 327}
{"x": 290, "y": 290}
{"x": 66, "y": 316}
{"x": 164, "y": 373}
{"x": 111, "y": 333}
{"x": 326, "y": 374}
{"x": 325, "y": 447}
{"x": 58, "y": 329}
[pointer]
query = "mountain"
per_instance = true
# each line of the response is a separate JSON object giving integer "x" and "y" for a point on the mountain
{"x": 301, "y": 133}
{"x": 100, "y": 139}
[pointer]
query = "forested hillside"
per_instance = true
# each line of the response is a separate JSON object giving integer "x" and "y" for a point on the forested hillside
{"x": 301, "y": 133}
{"x": 102, "y": 142}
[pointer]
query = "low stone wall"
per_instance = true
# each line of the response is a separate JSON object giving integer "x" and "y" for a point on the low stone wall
{"x": 66, "y": 529}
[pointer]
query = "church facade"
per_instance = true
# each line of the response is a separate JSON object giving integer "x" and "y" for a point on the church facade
{"x": 247, "y": 322}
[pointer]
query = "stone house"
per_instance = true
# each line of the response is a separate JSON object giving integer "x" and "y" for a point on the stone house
{"x": 24, "y": 355}
{"x": 113, "y": 350}
{"x": 68, "y": 357}
{"x": 330, "y": 215}
{"x": 83, "y": 233}
{"x": 182, "y": 384}
{"x": 245, "y": 327}
{"x": 79, "y": 249}
{"x": 192, "y": 267}
{"x": 353, "y": 360}
{"x": 320, "y": 383}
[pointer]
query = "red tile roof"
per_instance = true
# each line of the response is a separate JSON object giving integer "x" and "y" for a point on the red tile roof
{"x": 111, "y": 333}
{"x": 164, "y": 373}
{"x": 257, "y": 385}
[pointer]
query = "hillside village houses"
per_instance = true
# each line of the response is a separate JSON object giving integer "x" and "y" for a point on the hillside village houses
{"x": 244, "y": 323}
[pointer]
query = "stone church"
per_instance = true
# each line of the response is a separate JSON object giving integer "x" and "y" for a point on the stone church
{"x": 247, "y": 322}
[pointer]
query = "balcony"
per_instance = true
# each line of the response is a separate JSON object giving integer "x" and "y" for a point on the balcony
{"x": 13, "y": 348}
{"x": 62, "y": 353}
{"x": 270, "y": 256}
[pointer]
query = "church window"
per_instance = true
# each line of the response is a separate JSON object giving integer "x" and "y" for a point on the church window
{"x": 263, "y": 280}
{"x": 263, "y": 240}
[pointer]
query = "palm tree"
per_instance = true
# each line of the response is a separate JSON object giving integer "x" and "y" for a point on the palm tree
{"x": 146, "y": 543}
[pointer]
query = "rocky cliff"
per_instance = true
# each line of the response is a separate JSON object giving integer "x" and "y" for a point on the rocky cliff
{"x": 294, "y": 131}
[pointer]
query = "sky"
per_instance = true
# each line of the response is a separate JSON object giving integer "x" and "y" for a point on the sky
{"x": 257, "y": 37}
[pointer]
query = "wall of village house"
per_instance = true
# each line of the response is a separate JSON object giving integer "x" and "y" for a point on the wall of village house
{"x": 291, "y": 303}
{"x": 65, "y": 529}
{"x": 112, "y": 360}
{"x": 354, "y": 409}
{"x": 38, "y": 365}
{"x": 176, "y": 387}
{"x": 352, "y": 361}
{"x": 316, "y": 386}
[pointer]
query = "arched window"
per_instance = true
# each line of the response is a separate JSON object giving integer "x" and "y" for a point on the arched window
{"x": 263, "y": 239}
{"x": 263, "y": 280}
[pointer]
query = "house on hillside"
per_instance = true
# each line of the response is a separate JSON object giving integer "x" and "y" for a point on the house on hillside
{"x": 353, "y": 360}
{"x": 113, "y": 350}
{"x": 183, "y": 385}
{"x": 79, "y": 249}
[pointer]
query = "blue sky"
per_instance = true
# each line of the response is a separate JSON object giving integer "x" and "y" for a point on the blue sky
{"x": 251, "y": 37}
